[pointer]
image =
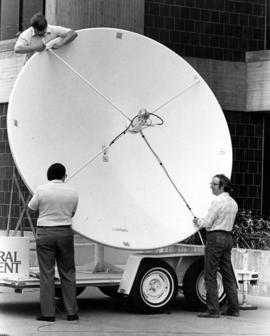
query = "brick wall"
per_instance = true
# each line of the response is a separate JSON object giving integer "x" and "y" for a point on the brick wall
{"x": 216, "y": 29}
{"x": 246, "y": 131}
{"x": 8, "y": 209}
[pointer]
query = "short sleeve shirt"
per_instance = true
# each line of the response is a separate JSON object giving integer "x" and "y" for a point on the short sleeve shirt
{"x": 56, "y": 202}
{"x": 30, "y": 38}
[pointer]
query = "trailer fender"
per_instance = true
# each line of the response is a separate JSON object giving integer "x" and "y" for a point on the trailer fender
{"x": 129, "y": 274}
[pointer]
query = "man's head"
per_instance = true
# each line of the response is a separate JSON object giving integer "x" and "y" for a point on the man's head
{"x": 56, "y": 172}
{"x": 220, "y": 183}
{"x": 39, "y": 23}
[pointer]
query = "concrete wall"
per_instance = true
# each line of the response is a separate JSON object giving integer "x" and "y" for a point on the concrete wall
{"x": 9, "y": 19}
{"x": 226, "y": 79}
{"x": 258, "y": 261}
{"x": 76, "y": 14}
{"x": 258, "y": 84}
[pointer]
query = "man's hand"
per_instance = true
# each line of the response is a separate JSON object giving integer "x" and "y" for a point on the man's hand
{"x": 57, "y": 45}
{"x": 195, "y": 221}
{"x": 40, "y": 47}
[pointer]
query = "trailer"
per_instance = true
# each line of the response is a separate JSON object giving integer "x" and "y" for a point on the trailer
{"x": 150, "y": 280}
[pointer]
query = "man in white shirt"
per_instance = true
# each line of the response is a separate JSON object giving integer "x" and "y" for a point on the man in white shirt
{"x": 218, "y": 224}
{"x": 39, "y": 34}
{"x": 57, "y": 203}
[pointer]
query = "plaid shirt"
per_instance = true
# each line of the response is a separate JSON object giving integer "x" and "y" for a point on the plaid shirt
{"x": 221, "y": 214}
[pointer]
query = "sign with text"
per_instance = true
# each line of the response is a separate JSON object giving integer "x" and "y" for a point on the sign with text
{"x": 14, "y": 257}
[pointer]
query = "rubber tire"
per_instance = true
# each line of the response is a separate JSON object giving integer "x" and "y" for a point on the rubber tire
{"x": 58, "y": 291}
{"x": 147, "y": 268}
{"x": 110, "y": 291}
{"x": 192, "y": 287}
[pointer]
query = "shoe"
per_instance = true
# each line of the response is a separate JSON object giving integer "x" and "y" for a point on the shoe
{"x": 46, "y": 318}
{"x": 73, "y": 317}
{"x": 208, "y": 314}
{"x": 231, "y": 313}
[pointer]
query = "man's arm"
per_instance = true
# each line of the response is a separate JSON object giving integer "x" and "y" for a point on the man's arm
{"x": 33, "y": 204}
{"x": 75, "y": 206}
{"x": 209, "y": 219}
{"x": 25, "y": 49}
{"x": 31, "y": 211}
{"x": 69, "y": 37}
{"x": 28, "y": 49}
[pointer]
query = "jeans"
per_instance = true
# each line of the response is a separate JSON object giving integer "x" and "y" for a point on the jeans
{"x": 56, "y": 244}
{"x": 218, "y": 255}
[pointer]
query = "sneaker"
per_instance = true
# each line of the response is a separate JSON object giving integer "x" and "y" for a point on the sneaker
{"x": 73, "y": 317}
{"x": 46, "y": 318}
{"x": 208, "y": 314}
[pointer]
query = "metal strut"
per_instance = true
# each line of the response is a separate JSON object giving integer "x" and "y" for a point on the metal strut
{"x": 166, "y": 172}
{"x": 170, "y": 179}
{"x": 88, "y": 83}
{"x": 136, "y": 124}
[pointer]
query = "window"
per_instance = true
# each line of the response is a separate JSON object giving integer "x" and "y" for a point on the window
{"x": 15, "y": 16}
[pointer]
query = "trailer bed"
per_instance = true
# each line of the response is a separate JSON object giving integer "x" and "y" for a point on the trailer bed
{"x": 83, "y": 278}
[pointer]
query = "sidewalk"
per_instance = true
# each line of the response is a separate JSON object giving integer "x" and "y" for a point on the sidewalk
{"x": 100, "y": 315}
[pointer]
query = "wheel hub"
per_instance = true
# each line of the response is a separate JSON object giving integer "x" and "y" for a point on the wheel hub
{"x": 155, "y": 287}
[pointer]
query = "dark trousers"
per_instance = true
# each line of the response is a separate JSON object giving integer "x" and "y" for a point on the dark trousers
{"x": 218, "y": 255}
{"x": 56, "y": 245}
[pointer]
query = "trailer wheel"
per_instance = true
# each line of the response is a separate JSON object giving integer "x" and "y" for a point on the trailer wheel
{"x": 58, "y": 291}
{"x": 154, "y": 288}
{"x": 194, "y": 287}
{"x": 111, "y": 291}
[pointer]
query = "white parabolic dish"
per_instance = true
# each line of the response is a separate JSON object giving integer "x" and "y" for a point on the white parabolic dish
{"x": 68, "y": 104}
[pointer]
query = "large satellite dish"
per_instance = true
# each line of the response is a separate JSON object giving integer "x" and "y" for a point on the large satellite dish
{"x": 138, "y": 189}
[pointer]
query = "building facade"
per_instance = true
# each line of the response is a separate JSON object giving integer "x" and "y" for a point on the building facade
{"x": 220, "y": 39}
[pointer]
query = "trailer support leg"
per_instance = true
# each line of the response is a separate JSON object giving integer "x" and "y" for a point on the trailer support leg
{"x": 99, "y": 258}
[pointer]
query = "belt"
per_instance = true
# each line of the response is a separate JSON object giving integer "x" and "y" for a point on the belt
{"x": 54, "y": 227}
{"x": 219, "y": 231}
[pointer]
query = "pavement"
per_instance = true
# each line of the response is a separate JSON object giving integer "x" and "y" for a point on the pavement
{"x": 102, "y": 316}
